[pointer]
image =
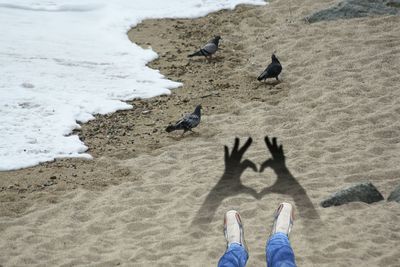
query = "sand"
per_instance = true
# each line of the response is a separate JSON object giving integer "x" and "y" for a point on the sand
{"x": 139, "y": 202}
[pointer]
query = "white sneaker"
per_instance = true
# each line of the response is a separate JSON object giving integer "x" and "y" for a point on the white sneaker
{"x": 233, "y": 229}
{"x": 284, "y": 217}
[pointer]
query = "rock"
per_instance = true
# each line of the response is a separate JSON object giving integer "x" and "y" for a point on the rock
{"x": 364, "y": 192}
{"x": 395, "y": 195}
{"x": 349, "y": 9}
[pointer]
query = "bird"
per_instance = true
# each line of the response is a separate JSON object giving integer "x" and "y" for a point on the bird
{"x": 272, "y": 71}
{"x": 209, "y": 49}
{"x": 187, "y": 123}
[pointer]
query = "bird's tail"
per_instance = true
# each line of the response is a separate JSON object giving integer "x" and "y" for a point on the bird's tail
{"x": 170, "y": 128}
{"x": 198, "y": 53}
{"x": 260, "y": 77}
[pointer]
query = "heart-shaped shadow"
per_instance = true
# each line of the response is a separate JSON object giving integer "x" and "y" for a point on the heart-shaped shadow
{"x": 286, "y": 183}
{"x": 230, "y": 184}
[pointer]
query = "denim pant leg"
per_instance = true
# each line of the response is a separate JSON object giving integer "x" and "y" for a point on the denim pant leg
{"x": 279, "y": 252}
{"x": 235, "y": 256}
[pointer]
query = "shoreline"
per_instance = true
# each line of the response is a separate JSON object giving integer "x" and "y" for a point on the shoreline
{"x": 334, "y": 114}
{"x": 129, "y": 133}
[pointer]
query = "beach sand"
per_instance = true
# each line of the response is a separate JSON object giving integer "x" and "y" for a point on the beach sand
{"x": 139, "y": 202}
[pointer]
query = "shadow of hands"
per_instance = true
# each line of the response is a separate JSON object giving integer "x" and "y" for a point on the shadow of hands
{"x": 229, "y": 184}
{"x": 278, "y": 157}
{"x": 278, "y": 165}
{"x": 234, "y": 166}
{"x": 286, "y": 183}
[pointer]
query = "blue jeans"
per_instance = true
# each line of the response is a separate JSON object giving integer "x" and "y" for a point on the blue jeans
{"x": 278, "y": 250}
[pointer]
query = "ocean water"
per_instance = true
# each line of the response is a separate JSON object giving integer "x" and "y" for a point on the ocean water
{"x": 61, "y": 61}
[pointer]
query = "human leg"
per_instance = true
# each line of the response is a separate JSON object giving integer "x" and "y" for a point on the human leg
{"x": 236, "y": 254}
{"x": 279, "y": 252}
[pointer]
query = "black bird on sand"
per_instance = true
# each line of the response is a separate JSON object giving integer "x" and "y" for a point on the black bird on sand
{"x": 209, "y": 49}
{"x": 272, "y": 71}
{"x": 187, "y": 123}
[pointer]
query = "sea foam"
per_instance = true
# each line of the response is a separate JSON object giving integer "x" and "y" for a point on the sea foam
{"x": 62, "y": 61}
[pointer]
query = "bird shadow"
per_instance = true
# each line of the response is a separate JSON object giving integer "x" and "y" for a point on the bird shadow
{"x": 216, "y": 58}
{"x": 229, "y": 184}
{"x": 262, "y": 84}
{"x": 286, "y": 183}
{"x": 183, "y": 135}
{"x": 272, "y": 82}
{"x": 202, "y": 60}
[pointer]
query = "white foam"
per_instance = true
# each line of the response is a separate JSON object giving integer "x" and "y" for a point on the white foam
{"x": 62, "y": 61}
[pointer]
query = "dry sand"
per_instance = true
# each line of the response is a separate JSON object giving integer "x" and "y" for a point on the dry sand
{"x": 139, "y": 202}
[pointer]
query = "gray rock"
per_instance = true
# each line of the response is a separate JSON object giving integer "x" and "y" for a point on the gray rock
{"x": 364, "y": 192}
{"x": 349, "y": 9}
{"x": 395, "y": 195}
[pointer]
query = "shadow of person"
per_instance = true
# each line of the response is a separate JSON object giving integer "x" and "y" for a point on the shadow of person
{"x": 286, "y": 184}
{"x": 229, "y": 184}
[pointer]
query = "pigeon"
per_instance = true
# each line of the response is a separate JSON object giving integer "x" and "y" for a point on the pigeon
{"x": 188, "y": 122}
{"x": 209, "y": 49}
{"x": 272, "y": 71}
